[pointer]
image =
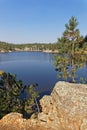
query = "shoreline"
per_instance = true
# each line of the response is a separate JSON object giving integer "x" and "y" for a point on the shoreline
{"x": 46, "y": 51}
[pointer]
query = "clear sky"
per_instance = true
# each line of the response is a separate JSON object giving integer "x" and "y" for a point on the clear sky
{"x": 28, "y": 21}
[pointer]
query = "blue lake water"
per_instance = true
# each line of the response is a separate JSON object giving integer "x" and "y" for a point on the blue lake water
{"x": 31, "y": 67}
{"x": 34, "y": 67}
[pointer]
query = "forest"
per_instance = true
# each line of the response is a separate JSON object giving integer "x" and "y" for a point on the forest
{"x": 6, "y": 47}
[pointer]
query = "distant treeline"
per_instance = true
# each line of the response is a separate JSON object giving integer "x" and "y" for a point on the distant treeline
{"x": 60, "y": 45}
{"x": 32, "y": 46}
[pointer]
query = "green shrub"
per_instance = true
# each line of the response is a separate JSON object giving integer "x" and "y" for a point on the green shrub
{"x": 12, "y": 99}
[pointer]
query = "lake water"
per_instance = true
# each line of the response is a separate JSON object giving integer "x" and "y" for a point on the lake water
{"x": 34, "y": 67}
{"x": 31, "y": 67}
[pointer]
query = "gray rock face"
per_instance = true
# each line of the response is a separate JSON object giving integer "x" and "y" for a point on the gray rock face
{"x": 66, "y": 106}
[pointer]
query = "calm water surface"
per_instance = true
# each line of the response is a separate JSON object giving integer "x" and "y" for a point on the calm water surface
{"x": 34, "y": 67}
{"x": 31, "y": 67}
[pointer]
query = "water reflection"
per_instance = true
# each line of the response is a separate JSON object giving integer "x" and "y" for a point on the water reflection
{"x": 38, "y": 67}
{"x": 69, "y": 66}
{"x": 19, "y": 56}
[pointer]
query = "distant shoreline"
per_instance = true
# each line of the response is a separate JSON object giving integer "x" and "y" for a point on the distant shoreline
{"x": 20, "y": 50}
{"x": 32, "y": 50}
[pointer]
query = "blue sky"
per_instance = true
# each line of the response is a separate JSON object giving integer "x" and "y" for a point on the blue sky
{"x": 28, "y": 21}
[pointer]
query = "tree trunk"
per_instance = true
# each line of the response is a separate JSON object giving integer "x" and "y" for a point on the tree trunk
{"x": 73, "y": 49}
{"x": 73, "y": 69}
{"x": 38, "y": 109}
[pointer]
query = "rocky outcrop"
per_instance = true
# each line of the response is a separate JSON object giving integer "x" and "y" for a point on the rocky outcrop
{"x": 12, "y": 120}
{"x": 15, "y": 121}
{"x": 64, "y": 109}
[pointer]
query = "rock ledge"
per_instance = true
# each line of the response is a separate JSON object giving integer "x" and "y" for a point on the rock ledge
{"x": 64, "y": 109}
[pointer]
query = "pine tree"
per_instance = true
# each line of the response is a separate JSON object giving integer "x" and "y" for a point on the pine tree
{"x": 71, "y": 37}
